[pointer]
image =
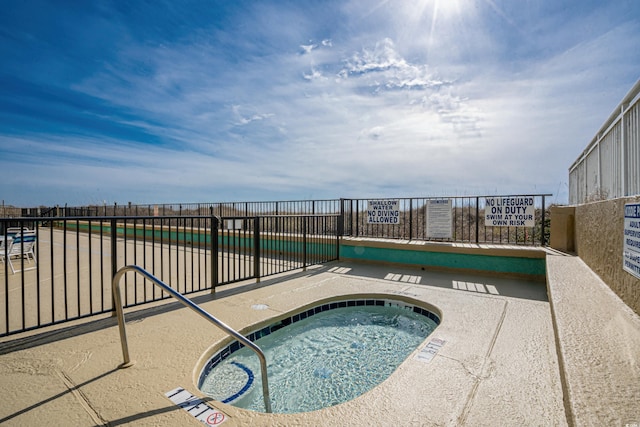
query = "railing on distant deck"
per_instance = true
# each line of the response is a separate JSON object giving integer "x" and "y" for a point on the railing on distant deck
{"x": 221, "y": 209}
{"x": 610, "y": 165}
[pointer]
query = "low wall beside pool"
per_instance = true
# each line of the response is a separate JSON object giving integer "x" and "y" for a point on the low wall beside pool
{"x": 516, "y": 261}
{"x": 526, "y": 262}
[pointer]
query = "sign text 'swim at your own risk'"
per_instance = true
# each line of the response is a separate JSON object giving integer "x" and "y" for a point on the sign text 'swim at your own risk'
{"x": 509, "y": 211}
{"x": 383, "y": 212}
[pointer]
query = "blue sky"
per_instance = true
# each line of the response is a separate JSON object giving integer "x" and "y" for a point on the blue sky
{"x": 206, "y": 101}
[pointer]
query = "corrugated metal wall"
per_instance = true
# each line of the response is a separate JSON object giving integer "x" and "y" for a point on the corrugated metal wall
{"x": 610, "y": 165}
{"x": 632, "y": 133}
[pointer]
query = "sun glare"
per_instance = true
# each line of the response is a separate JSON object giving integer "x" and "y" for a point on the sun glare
{"x": 445, "y": 9}
{"x": 441, "y": 11}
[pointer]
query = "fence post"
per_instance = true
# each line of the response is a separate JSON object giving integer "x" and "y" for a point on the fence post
{"x": 340, "y": 228}
{"x": 256, "y": 248}
{"x": 340, "y": 220}
{"x": 305, "y": 219}
{"x": 215, "y": 224}
{"x": 114, "y": 258}
{"x": 114, "y": 247}
{"x": 410, "y": 219}
{"x": 543, "y": 231}
{"x": 357, "y": 216}
{"x": 478, "y": 218}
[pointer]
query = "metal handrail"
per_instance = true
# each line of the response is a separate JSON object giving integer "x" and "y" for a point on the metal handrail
{"x": 188, "y": 303}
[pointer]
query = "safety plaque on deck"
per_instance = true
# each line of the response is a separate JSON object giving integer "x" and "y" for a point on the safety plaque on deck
{"x": 196, "y": 407}
{"x": 429, "y": 351}
{"x": 631, "y": 247}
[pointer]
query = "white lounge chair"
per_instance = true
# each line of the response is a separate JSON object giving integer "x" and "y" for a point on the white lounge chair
{"x": 12, "y": 231}
{"x": 21, "y": 246}
{"x": 2, "y": 243}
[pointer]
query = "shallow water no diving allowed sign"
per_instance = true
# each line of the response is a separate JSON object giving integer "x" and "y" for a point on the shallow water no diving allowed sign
{"x": 383, "y": 211}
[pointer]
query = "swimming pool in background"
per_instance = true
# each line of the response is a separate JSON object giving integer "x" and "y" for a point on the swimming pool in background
{"x": 321, "y": 357}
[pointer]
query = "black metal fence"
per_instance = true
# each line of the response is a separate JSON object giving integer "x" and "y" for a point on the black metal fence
{"x": 76, "y": 258}
{"x": 468, "y": 217}
{"x": 226, "y": 209}
{"x": 468, "y": 221}
{"x": 195, "y": 247}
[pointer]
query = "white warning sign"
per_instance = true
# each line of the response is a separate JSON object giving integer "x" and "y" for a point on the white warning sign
{"x": 383, "y": 212}
{"x": 196, "y": 407}
{"x": 516, "y": 211}
{"x": 631, "y": 248}
{"x": 439, "y": 218}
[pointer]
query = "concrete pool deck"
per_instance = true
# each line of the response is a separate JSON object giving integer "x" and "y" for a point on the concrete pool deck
{"x": 499, "y": 364}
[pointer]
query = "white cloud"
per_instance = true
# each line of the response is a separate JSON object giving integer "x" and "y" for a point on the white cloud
{"x": 391, "y": 96}
{"x": 308, "y": 48}
{"x": 313, "y": 75}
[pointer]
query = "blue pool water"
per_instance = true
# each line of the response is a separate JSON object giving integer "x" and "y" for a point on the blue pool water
{"x": 322, "y": 357}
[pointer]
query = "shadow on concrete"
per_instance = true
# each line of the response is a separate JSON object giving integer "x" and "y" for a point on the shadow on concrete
{"x": 77, "y": 389}
{"x": 487, "y": 285}
{"x": 481, "y": 284}
{"x": 71, "y": 388}
{"x": 99, "y": 322}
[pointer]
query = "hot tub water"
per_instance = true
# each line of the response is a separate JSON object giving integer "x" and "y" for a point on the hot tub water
{"x": 323, "y": 360}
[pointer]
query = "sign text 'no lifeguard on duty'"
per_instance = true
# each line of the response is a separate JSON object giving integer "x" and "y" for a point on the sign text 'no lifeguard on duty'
{"x": 631, "y": 255}
{"x": 383, "y": 212}
{"x": 517, "y": 211}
